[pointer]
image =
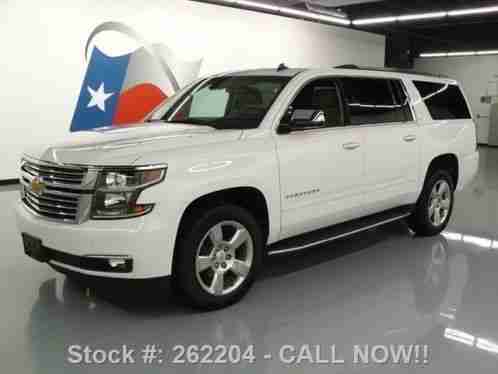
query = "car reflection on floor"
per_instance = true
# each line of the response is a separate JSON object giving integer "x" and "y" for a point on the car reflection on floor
{"x": 382, "y": 287}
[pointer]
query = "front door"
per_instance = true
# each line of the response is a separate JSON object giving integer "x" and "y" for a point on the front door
{"x": 321, "y": 169}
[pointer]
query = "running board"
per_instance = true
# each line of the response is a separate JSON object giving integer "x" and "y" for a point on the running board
{"x": 338, "y": 231}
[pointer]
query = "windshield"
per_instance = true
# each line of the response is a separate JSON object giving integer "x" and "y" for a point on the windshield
{"x": 229, "y": 102}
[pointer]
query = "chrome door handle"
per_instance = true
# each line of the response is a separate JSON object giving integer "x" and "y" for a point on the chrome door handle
{"x": 350, "y": 146}
{"x": 409, "y": 138}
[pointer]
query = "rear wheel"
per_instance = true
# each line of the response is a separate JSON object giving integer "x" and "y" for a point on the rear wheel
{"x": 434, "y": 206}
{"x": 218, "y": 257}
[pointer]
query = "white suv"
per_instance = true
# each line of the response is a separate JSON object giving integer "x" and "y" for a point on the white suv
{"x": 242, "y": 165}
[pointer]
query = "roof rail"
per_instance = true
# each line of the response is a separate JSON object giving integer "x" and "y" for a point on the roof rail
{"x": 347, "y": 66}
{"x": 389, "y": 70}
{"x": 281, "y": 67}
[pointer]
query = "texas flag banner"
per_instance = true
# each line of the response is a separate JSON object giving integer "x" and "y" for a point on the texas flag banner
{"x": 122, "y": 90}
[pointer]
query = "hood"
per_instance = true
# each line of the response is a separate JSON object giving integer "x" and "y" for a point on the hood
{"x": 124, "y": 146}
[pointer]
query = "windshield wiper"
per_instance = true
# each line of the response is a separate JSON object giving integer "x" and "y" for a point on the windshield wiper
{"x": 155, "y": 120}
{"x": 192, "y": 122}
{"x": 195, "y": 122}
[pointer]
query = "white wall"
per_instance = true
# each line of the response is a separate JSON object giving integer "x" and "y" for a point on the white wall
{"x": 43, "y": 64}
{"x": 475, "y": 73}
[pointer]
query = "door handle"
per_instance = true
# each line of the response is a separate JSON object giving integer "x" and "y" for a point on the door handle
{"x": 350, "y": 146}
{"x": 409, "y": 138}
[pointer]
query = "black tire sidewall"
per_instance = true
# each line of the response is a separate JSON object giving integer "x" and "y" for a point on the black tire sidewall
{"x": 420, "y": 220}
{"x": 185, "y": 273}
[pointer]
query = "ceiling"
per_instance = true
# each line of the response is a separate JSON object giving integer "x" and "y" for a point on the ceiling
{"x": 445, "y": 34}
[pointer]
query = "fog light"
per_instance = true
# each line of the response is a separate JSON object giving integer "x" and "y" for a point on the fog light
{"x": 117, "y": 263}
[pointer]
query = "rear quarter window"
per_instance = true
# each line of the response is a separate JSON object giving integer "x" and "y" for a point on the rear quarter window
{"x": 444, "y": 101}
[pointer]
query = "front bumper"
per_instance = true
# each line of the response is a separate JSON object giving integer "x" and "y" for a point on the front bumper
{"x": 101, "y": 263}
{"x": 87, "y": 248}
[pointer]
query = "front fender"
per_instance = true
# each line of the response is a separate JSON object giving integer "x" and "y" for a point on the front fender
{"x": 198, "y": 171}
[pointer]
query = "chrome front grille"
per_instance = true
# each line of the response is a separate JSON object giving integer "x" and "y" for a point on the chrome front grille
{"x": 57, "y": 191}
{"x": 55, "y": 174}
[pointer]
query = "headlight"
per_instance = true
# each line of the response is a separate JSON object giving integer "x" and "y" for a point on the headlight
{"x": 118, "y": 190}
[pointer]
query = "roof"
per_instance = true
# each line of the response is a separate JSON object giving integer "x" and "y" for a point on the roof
{"x": 390, "y": 70}
{"x": 347, "y": 70}
{"x": 268, "y": 72}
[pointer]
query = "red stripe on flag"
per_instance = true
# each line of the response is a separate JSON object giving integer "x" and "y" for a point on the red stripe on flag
{"x": 136, "y": 102}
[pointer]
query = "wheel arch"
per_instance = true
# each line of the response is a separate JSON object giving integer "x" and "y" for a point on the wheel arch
{"x": 447, "y": 162}
{"x": 250, "y": 198}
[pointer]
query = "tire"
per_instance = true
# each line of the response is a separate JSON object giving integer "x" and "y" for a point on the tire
{"x": 209, "y": 272}
{"x": 423, "y": 221}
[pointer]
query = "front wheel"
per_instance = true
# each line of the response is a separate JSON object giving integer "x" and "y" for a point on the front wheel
{"x": 434, "y": 206}
{"x": 218, "y": 257}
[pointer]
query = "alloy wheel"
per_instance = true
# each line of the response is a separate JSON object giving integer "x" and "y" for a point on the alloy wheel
{"x": 439, "y": 203}
{"x": 224, "y": 258}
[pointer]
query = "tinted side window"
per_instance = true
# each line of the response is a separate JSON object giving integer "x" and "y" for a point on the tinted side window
{"x": 322, "y": 94}
{"x": 371, "y": 100}
{"x": 444, "y": 101}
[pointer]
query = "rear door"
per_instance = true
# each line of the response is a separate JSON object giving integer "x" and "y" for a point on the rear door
{"x": 380, "y": 109}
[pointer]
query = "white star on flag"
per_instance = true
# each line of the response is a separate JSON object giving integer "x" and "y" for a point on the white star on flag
{"x": 99, "y": 97}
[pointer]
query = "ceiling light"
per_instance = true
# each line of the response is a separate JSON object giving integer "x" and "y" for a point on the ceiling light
{"x": 408, "y": 17}
{"x": 433, "y": 55}
{"x": 320, "y": 17}
{"x": 459, "y": 54}
{"x": 256, "y": 5}
{"x": 421, "y": 16}
{"x": 481, "y": 53}
{"x": 371, "y": 21}
{"x": 466, "y": 12}
{"x": 413, "y": 17}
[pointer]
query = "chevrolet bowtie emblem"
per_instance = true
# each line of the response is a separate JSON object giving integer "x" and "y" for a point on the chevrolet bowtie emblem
{"x": 37, "y": 185}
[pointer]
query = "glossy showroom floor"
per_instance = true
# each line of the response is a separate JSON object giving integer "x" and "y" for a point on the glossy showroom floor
{"x": 381, "y": 287}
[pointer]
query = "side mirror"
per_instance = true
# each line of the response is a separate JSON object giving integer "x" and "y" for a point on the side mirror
{"x": 303, "y": 119}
